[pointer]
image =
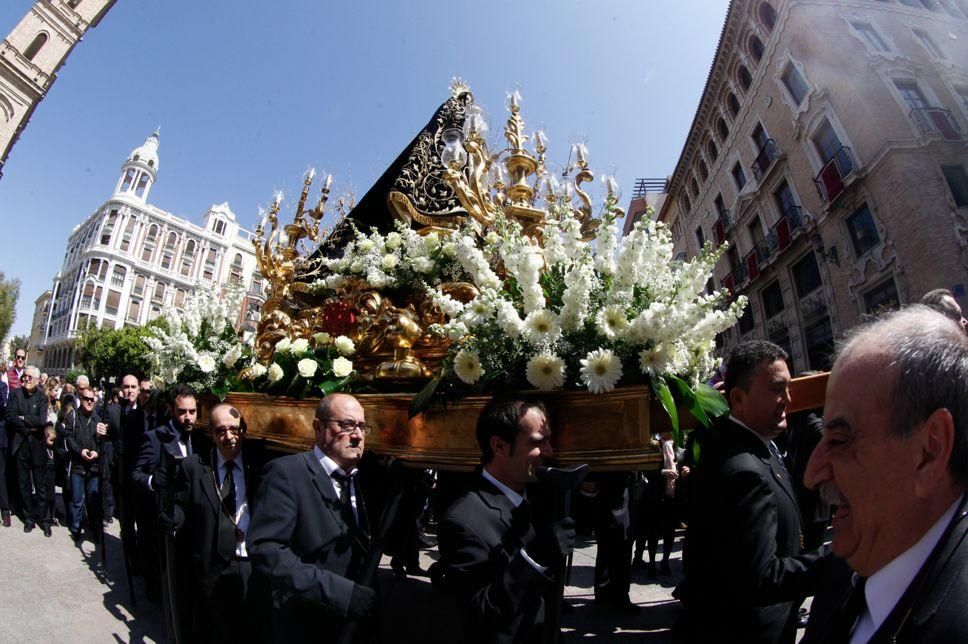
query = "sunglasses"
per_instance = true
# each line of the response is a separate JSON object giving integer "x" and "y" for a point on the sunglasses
{"x": 21, "y": 357}
{"x": 86, "y": 399}
{"x": 27, "y": 378}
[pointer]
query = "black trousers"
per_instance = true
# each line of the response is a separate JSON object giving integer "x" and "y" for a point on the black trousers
{"x": 222, "y": 616}
{"x": 613, "y": 564}
{"x": 4, "y": 496}
{"x": 25, "y": 483}
{"x": 44, "y": 494}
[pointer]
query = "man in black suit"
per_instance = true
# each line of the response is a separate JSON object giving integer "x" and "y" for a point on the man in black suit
{"x": 214, "y": 494}
{"x": 495, "y": 560}
{"x": 744, "y": 537}
{"x": 310, "y": 534}
{"x": 26, "y": 419}
{"x": 4, "y": 496}
{"x": 169, "y": 442}
{"x": 894, "y": 460}
{"x": 127, "y": 430}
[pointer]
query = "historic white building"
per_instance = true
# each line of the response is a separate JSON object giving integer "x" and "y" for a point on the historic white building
{"x": 129, "y": 259}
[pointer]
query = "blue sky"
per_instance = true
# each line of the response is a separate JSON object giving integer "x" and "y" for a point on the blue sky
{"x": 249, "y": 94}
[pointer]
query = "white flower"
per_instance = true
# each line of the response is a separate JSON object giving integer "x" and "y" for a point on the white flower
{"x": 206, "y": 363}
{"x": 423, "y": 264}
{"x": 449, "y": 249}
{"x": 366, "y": 245}
{"x": 393, "y": 240}
{"x": 306, "y": 367}
{"x": 467, "y": 366}
{"x": 322, "y": 339}
{"x": 232, "y": 356}
{"x": 600, "y": 370}
{"x": 456, "y": 331}
{"x": 274, "y": 373}
{"x": 283, "y": 345}
{"x": 546, "y": 371}
{"x": 611, "y": 321}
{"x": 653, "y": 361}
{"x": 542, "y": 326}
{"x": 431, "y": 241}
{"x": 342, "y": 367}
{"x": 344, "y": 345}
{"x": 477, "y": 312}
{"x": 158, "y": 382}
{"x": 299, "y": 347}
{"x": 492, "y": 237}
{"x": 389, "y": 261}
{"x": 257, "y": 370}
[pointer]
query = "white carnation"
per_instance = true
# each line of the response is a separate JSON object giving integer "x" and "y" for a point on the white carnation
{"x": 389, "y": 261}
{"x": 206, "y": 363}
{"x": 393, "y": 240}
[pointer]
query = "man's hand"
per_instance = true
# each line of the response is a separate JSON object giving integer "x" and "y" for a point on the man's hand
{"x": 102, "y": 429}
{"x": 88, "y": 455}
{"x": 166, "y": 523}
{"x": 362, "y": 600}
{"x": 553, "y": 542}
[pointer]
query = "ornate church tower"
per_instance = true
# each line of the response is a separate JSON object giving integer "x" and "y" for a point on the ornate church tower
{"x": 31, "y": 55}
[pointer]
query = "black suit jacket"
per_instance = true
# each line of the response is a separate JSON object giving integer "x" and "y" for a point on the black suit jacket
{"x": 299, "y": 540}
{"x": 744, "y": 568}
{"x": 932, "y": 609}
{"x": 26, "y": 416}
{"x": 4, "y": 394}
{"x": 499, "y": 592}
{"x": 158, "y": 442}
{"x": 201, "y": 519}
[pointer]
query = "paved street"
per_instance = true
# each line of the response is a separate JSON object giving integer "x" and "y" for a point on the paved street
{"x": 57, "y": 592}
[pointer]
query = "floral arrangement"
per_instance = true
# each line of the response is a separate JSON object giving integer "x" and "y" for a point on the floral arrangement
{"x": 554, "y": 311}
{"x": 198, "y": 345}
{"x": 300, "y": 367}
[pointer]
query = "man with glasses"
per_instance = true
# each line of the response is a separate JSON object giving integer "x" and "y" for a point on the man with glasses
{"x": 16, "y": 371}
{"x": 87, "y": 438}
{"x": 26, "y": 419}
{"x": 310, "y": 534}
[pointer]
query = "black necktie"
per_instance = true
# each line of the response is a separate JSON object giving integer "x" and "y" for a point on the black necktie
{"x": 779, "y": 459}
{"x": 227, "y": 491}
{"x": 853, "y": 608}
{"x": 346, "y": 506}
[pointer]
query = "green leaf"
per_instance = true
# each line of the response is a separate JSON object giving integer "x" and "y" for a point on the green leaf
{"x": 423, "y": 399}
{"x": 711, "y": 400}
{"x": 689, "y": 399}
{"x": 330, "y": 386}
{"x": 665, "y": 397}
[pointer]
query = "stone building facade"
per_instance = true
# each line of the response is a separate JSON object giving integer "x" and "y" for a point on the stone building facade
{"x": 129, "y": 259}
{"x": 829, "y": 149}
{"x": 33, "y": 53}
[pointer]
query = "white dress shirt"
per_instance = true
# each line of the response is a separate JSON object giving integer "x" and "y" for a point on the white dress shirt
{"x": 330, "y": 466}
{"x": 516, "y": 500}
{"x": 241, "y": 500}
{"x": 886, "y": 586}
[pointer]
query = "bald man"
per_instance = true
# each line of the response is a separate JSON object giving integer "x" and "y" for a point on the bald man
{"x": 310, "y": 534}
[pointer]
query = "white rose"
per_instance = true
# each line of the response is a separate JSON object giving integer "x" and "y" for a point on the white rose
{"x": 232, "y": 356}
{"x": 342, "y": 367}
{"x": 366, "y": 245}
{"x": 257, "y": 370}
{"x": 274, "y": 373}
{"x": 283, "y": 345}
{"x": 431, "y": 241}
{"x": 307, "y": 367}
{"x": 393, "y": 240}
{"x": 389, "y": 261}
{"x": 449, "y": 249}
{"x": 299, "y": 347}
{"x": 322, "y": 339}
{"x": 206, "y": 363}
{"x": 344, "y": 345}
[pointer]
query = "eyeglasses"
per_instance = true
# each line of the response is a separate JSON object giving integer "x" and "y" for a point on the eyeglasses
{"x": 26, "y": 378}
{"x": 86, "y": 399}
{"x": 145, "y": 391}
{"x": 347, "y": 426}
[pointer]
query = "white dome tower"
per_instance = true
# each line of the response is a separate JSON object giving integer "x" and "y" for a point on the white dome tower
{"x": 140, "y": 170}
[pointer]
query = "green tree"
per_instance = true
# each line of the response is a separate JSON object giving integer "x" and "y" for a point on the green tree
{"x": 112, "y": 353}
{"x": 20, "y": 342}
{"x": 9, "y": 293}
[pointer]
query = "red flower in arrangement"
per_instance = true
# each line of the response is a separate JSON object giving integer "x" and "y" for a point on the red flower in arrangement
{"x": 338, "y": 318}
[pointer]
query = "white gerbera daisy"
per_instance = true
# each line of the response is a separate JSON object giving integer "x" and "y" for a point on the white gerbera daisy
{"x": 467, "y": 366}
{"x": 546, "y": 371}
{"x": 542, "y": 326}
{"x": 600, "y": 370}
{"x": 653, "y": 361}
{"x": 611, "y": 321}
{"x": 477, "y": 312}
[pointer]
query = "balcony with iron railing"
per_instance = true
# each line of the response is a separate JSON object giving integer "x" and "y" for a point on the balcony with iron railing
{"x": 722, "y": 224}
{"x": 937, "y": 120}
{"x": 788, "y": 227}
{"x": 765, "y": 158}
{"x": 831, "y": 179}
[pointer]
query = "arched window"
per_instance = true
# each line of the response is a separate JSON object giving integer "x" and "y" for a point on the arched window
{"x": 108, "y": 228}
{"x": 159, "y": 293}
{"x": 686, "y": 202}
{"x": 732, "y": 104}
{"x": 703, "y": 172}
{"x": 98, "y": 269}
{"x": 693, "y": 188}
{"x": 168, "y": 254}
{"x": 722, "y": 128}
{"x": 236, "y": 275}
{"x": 711, "y": 149}
{"x": 128, "y": 180}
{"x": 208, "y": 272}
{"x": 142, "y": 185}
{"x": 188, "y": 258}
{"x": 179, "y": 297}
{"x": 743, "y": 75}
{"x": 117, "y": 277}
{"x": 139, "y": 285}
{"x": 39, "y": 41}
{"x": 150, "y": 240}
{"x": 756, "y": 48}
{"x": 127, "y": 234}
{"x": 767, "y": 16}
